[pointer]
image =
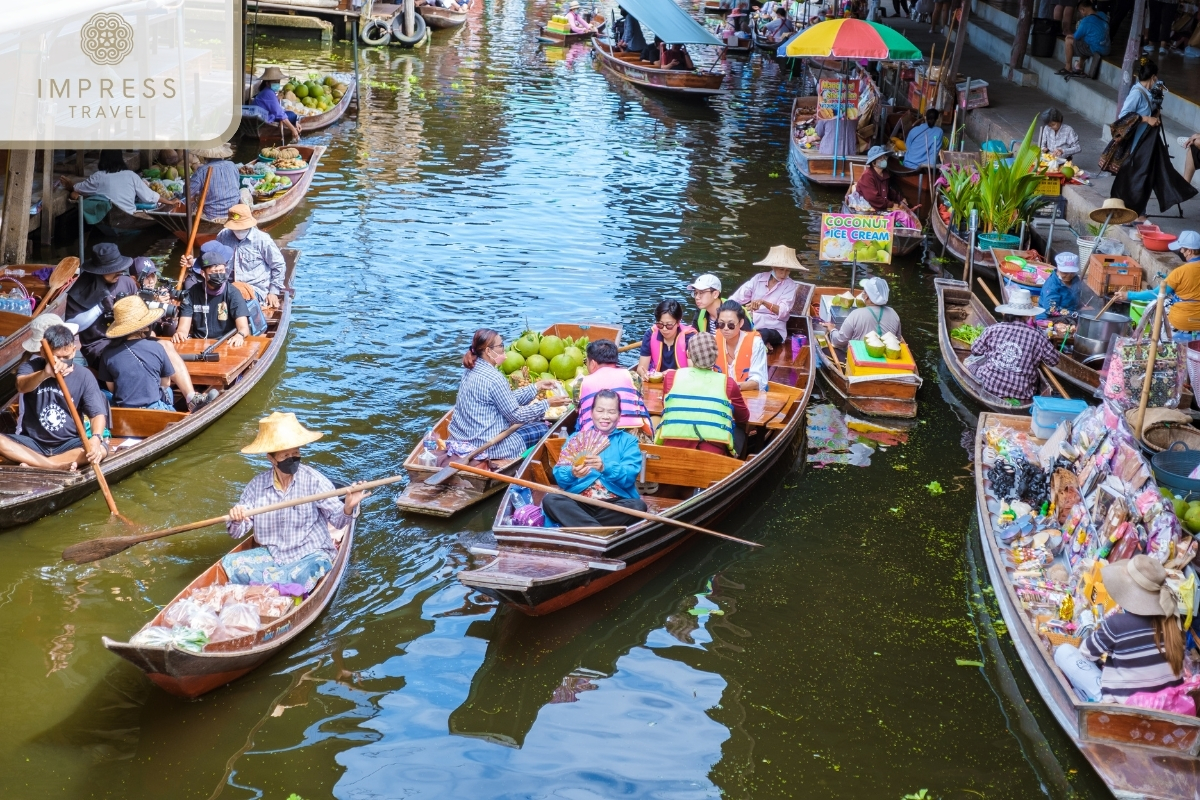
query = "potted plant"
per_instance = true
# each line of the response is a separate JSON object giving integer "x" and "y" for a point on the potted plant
{"x": 961, "y": 193}
{"x": 1005, "y": 194}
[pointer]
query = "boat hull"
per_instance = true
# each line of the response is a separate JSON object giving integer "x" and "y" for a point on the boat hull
{"x": 684, "y": 83}
{"x": 441, "y": 18}
{"x": 820, "y": 169}
{"x": 957, "y": 246}
{"x": 12, "y": 348}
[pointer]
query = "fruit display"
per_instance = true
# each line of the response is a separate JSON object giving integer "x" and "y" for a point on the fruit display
{"x": 290, "y": 164}
{"x": 545, "y": 356}
{"x": 314, "y": 95}
{"x": 255, "y": 168}
{"x": 891, "y": 346}
{"x": 271, "y": 185}
{"x": 276, "y": 153}
{"x": 875, "y": 345}
{"x": 558, "y": 24}
{"x": 161, "y": 173}
{"x": 847, "y": 299}
{"x": 168, "y": 190}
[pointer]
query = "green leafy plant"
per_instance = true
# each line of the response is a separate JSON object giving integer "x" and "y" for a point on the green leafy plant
{"x": 1006, "y": 191}
{"x": 961, "y": 193}
{"x": 921, "y": 794}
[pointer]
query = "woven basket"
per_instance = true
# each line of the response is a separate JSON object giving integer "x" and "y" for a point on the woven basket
{"x": 1173, "y": 465}
{"x": 1161, "y": 436}
{"x": 1055, "y": 638}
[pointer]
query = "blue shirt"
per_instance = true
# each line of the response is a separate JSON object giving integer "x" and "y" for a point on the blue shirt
{"x": 922, "y": 146}
{"x": 269, "y": 102}
{"x": 1058, "y": 294}
{"x": 224, "y": 190}
{"x": 1093, "y": 31}
{"x": 622, "y": 465}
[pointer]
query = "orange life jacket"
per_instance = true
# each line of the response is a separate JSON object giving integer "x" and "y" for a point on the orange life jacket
{"x": 741, "y": 361}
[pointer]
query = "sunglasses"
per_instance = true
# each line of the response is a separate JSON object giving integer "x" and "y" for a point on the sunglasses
{"x": 666, "y": 326}
{"x": 729, "y": 326}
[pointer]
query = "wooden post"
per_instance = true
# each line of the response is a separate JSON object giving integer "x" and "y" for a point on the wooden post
{"x": 1021, "y": 38}
{"x": 1150, "y": 361}
{"x": 1133, "y": 50}
{"x": 960, "y": 44}
{"x": 14, "y": 219}
{"x": 409, "y": 12}
{"x": 47, "y": 229}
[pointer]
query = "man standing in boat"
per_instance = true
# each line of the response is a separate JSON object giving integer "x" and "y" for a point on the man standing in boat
{"x": 295, "y": 544}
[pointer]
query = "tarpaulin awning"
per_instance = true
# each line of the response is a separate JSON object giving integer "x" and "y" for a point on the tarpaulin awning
{"x": 669, "y": 22}
{"x": 850, "y": 38}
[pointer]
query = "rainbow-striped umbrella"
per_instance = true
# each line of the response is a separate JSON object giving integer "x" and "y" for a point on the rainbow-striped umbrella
{"x": 850, "y": 38}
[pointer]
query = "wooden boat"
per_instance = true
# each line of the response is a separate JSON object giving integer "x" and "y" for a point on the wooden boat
{"x": 956, "y": 245}
{"x": 872, "y": 397}
{"x": 187, "y": 674}
{"x": 904, "y": 240}
{"x": 270, "y": 133}
{"x": 763, "y": 41}
{"x": 267, "y": 214}
{"x": 686, "y": 83}
{"x": 438, "y": 18}
{"x": 915, "y": 185}
{"x": 541, "y": 570}
{"x": 819, "y": 169}
{"x": 1137, "y": 752}
{"x": 463, "y": 490}
{"x": 714, "y": 7}
{"x": 556, "y": 39}
{"x": 14, "y": 328}
{"x": 141, "y": 436}
{"x": 957, "y": 305}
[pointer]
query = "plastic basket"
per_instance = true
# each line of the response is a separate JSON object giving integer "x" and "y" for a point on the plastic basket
{"x": 1193, "y": 365}
{"x": 1173, "y": 465}
{"x": 1005, "y": 241}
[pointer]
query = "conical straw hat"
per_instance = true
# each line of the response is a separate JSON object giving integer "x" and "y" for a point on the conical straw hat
{"x": 280, "y": 431}
{"x": 131, "y": 314}
{"x": 781, "y": 256}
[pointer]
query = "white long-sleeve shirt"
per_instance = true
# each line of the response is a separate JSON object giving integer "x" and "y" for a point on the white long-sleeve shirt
{"x": 1064, "y": 139}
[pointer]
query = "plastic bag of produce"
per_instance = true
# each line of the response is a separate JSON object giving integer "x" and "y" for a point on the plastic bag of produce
{"x": 179, "y": 613}
{"x": 190, "y": 639}
{"x": 239, "y": 619}
{"x": 154, "y": 636}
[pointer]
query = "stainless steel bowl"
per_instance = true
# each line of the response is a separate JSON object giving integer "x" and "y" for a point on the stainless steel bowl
{"x": 1101, "y": 328}
{"x": 1089, "y": 347}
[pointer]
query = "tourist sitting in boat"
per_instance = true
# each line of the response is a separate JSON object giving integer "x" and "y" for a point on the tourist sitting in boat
{"x": 46, "y": 437}
{"x": 837, "y": 136}
{"x": 294, "y": 544}
{"x": 605, "y": 374}
{"x": 268, "y": 100}
{"x": 1060, "y": 292}
{"x": 661, "y": 348}
{"x": 706, "y": 292}
{"x": 610, "y": 475}
{"x": 780, "y": 27}
{"x": 225, "y": 187}
{"x": 632, "y": 39}
{"x": 769, "y": 296}
{"x": 875, "y": 185}
{"x": 137, "y": 369}
{"x": 924, "y": 142}
{"x": 255, "y": 261}
{"x": 653, "y": 53}
{"x": 741, "y": 353}
{"x": 486, "y": 405}
{"x": 1183, "y": 290}
{"x": 876, "y": 315}
{"x": 1142, "y": 644}
{"x": 1006, "y": 357}
{"x": 703, "y": 409}
{"x": 116, "y": 181}
{"x": 677, "y": 57}
{"x": 576, "y": 21}
{"x": 104, "y": 278}
{"x": 212, "y": 309}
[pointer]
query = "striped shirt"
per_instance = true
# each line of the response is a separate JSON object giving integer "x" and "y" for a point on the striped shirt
{"x": 224, "y": 190}
{"x": 291, "y": 533}
{"x": 486, "y": 406}
{"x": 1134, "y": 663}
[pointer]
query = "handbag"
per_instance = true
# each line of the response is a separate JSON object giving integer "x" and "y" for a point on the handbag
{"x": 1117, "y": 150}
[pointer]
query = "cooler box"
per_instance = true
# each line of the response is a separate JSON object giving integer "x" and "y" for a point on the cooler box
{"x": 1047, "y": 412}
{"x": 860, "y": 364}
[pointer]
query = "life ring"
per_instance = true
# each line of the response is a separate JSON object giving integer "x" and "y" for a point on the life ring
{"x": 376, "y": 32}
{"x": 418, "y": 34}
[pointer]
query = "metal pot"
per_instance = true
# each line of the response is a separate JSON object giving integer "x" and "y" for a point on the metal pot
{"x": 1089, "y": 347}
{"x": 1101, "y": 328}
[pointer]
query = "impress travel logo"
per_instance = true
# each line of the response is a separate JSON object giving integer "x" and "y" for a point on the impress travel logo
{"x": 140, "y": 73}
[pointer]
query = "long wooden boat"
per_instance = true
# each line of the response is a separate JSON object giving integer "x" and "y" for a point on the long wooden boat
{"x": 820, "y": 169}
{"x": 141, "y": 436}
{"x": 14, "y": 327}
{"x": 188, "y": 674}
{"x": 958, "y": 305}
{"x": 463, "y": 490}
{"x": 541, "y": 570}
{"x": 439, "y": 18}
{"x": 873, "y": 397}
{"x": 715, "y": 7}
{"x": 956, "y": 245}
{"x": 763, "y": 41}
{"x": 267, "y": 214}
{"x": 270, "y": 133}
{"x": 1138, "y": 752}
{"x": 686, "y": 83}
{"x": 904, "y": 240}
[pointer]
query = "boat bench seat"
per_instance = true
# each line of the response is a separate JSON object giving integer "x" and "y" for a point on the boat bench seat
{"x": 674, "y": 466}
{"x": 140, "y": 423}
{"x": 11, "y": 322}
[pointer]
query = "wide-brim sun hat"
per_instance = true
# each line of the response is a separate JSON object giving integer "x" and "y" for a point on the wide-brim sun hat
{"x": 1115, "y": 206}
{"x": 272, "y": 73}
{"x": 877, "y": 290}
{"x": 106, "y": 259}
{"x": 877, "y": 152}
{"x": 280, "y": 431}
{"x": 781, "y": 257}
{"x": 213, "y": 153}
{"x": 241, "y": 218}
{"x": 1139, "y": 585}
{"x": 37, "y": 330}
{"x": 1188, "y": 239}
{"x": 1020, "y": 304}
{"x": 131, "y": 314}
{"x": 702, "y": 350}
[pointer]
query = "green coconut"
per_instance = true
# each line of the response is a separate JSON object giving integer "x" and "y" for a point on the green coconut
{"x": 893, "y": 353}
{"x": 1191, "y": 520}
{"x": 546, "y": 376}
{"x": 1180, "y": 507}
{"x": 563, "y": 367}
{"x": 537, "y": 363}
{"x": 513, "y": 361}
{"x": 876, "y": 350}
{"x": 551, "y": 346}
{"x": 527, "y": 345}
{"x": 576, "y": 355}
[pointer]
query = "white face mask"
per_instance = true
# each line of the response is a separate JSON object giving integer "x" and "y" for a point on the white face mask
{"x": 241, "y": 235}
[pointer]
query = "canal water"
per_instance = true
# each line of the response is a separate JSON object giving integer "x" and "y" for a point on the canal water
{"x": 489, "y": 181}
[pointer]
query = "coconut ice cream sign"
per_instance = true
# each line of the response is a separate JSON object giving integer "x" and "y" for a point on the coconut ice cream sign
{"x": 149, "y": 73}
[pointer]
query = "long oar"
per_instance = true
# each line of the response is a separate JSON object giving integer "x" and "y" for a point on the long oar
{"x": 1045, "y": 372}
{"x": 631, "y": 346}
{"x": 62, "y": 386}
{"x": 96, "y": 549}
{"x": 538, "y": 487}
{"x": 61, "y": 276}
{"x": 446, "y": 473}
{"x": 195, "y": 227}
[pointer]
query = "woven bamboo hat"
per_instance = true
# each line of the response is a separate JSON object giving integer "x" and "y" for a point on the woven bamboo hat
{"x": 214, "y": 153}
{"x": 1139, "y": 585}
{"x": 781, "y": 256}
{"x": 1115, "y": 206}
{"x": 272, "y": 73}
{"x": 280, "y": 431}
{"x": 131, "y": 314}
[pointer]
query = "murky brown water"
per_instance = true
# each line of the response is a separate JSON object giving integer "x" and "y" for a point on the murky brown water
{"x": 489, "y": 181}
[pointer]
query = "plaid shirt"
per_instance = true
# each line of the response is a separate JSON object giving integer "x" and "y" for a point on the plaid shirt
{"x": 1005, "y": 359}
{"x": 486, "y": 406}
{"x": 291, "y": 533}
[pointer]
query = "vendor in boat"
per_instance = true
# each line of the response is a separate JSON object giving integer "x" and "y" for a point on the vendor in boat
{"x": 47, "y": 437}
{"x": 104, "y": 279}
{"x": 702, "y": 408}
{"x": 779, "y": 28}
{"x": 875, "y": 185}
{"x": 769, "y": 296}
{"x": 610, "y": 475}
{"x": 486, "y": 405}
{"x": 116, "y": 181}
{"x": 605, "y": 374}
{"x": 294, "y": 544}
{"x": 212, "y": 309}
{"x": 138, "y": 369}
{"x": 741, "y": 353}
{"x": 1183, "y": 290}
{"x": 924, "y": 142}
{"x": 1142, "y": 644}
{"x": 255, "y": 260}
{"x": 876, "y": 315}
{"x": 576, "y": 22}
{"x": 664, "y": 346}
{"x": 1006, "y": 357}
{"x": 268, "y": 100}
{"x": 837, "y": 136}
{"x": 225, "y": 187}
{"x": 1060, "y": 292}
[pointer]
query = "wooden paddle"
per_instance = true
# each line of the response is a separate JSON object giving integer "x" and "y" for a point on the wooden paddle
{"x": 446, "y": 473}
{"x": 1150, "y": 362}
{"x": 1046, "y": 372}
{"x": 625, "y": 348}
{"x": 97, "y": 549}
{"x": 538, "y": 487}
{"x": 195, "y": 228}
{"x": 62, "y": 386}
{"x": 59, "y": 278}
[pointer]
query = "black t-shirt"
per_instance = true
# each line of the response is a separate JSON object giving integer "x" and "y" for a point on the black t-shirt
{"x": 213, "y": 317}
{"x": 136, "y": 369}
{"x": 45, "y": 417}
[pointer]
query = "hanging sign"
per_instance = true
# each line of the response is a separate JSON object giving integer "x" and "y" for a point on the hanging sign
{"x": 835, "y": 95}
{"x": 864, "y": 238}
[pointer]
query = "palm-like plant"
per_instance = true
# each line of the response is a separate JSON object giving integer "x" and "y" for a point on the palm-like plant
{"x": 961, "y": 193}
{"x": 1005, "y": 190}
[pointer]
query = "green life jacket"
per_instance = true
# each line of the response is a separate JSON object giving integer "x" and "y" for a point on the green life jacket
{"x": 697, "y": 409}
{"x": 702, "y": 320}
